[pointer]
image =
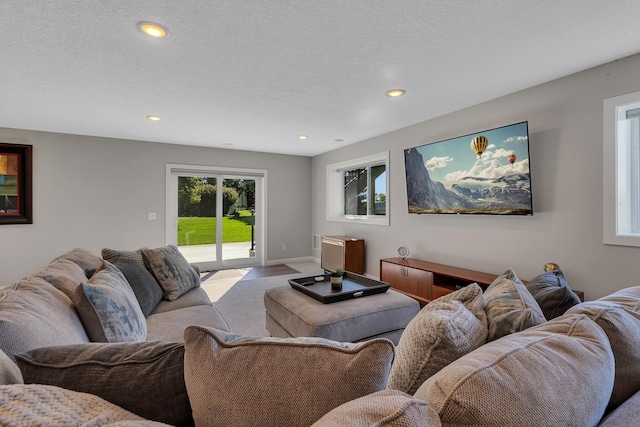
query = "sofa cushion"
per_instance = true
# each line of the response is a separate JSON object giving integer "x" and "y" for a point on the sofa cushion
{"x": 170, "y": 325}
{"x": 295, "y": 380}
{"x": 9, "y": 371}
{"x": 194, "y": 297}
{"x": 108, "y": 307}
{"x": 43, "y": 405}
{"x": 390, "y": 408}
{"x": 509, "y": 306}
{"x": 65, "y": 275}
{"x": 441, "y": 332}
{"x": 171, "y": 270}
{"x": 88, "y": 261}
{"x": 622, "y": 326}
{"x": 556, "y": 374}
{"x": 35, "y": 314}
{"x": 624, "y": 415}
{"x": 144, "y": 378}
{"x": 552, "y": 292}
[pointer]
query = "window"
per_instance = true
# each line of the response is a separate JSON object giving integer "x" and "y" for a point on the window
{"x": 622, "y": 170}
{"x": 357, "y": 190}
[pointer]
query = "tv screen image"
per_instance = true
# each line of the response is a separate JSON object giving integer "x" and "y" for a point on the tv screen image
{"x": 480, "y": 173}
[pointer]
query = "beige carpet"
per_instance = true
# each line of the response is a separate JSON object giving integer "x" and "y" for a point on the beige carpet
{"x": 240, "y": 298}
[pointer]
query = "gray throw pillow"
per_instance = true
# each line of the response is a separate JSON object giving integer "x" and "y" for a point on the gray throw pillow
{"x": 108, "y": 307}
{"x": 145, "y": 287}
{"x": 241, "y": 381}
{"x": 552, "y": 292}
{"x": 145, "y": 378}
{"x": 171, "y": 270}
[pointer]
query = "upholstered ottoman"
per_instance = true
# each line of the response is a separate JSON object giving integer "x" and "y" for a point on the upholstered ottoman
{"x": 291, "y": 313}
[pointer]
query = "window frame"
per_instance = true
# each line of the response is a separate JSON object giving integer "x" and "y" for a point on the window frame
{"x": 621, "y": 172}
{"x": 335, "y": 198}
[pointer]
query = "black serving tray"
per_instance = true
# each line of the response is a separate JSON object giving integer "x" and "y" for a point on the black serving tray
{"x": 353, "y": 286}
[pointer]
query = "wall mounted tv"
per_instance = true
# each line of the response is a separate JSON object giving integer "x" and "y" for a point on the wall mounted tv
{"x": 481, "y": 173}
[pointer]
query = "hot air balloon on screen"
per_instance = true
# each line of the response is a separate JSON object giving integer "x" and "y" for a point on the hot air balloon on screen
{"x": 512, "y": 159}
{"x": 479, "y": 144}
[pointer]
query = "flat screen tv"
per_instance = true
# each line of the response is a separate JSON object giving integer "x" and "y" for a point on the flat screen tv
{"x": 481, "y": 173}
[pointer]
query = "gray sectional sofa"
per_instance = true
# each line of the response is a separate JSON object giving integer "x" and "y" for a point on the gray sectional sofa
{"x": 80, "y": 348}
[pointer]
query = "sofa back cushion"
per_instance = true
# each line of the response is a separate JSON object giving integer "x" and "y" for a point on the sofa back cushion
{"x": 35, "y": 314}
{"x": 65, "y": 275}
{"x": 444, "y": 330}
{"x": 555, "y": 374}
{"x": 87, "y": 260}
{"x": 241, "y": 381}
{"x": 9, "y": 371}
{"x": 621, "y": 323}
{"x": 146, "y": 378}
{"x": 109, "y": 309}
{"x": 510, "y": 307}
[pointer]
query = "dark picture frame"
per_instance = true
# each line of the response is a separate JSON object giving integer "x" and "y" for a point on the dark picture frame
{"x": 16, "y": 171}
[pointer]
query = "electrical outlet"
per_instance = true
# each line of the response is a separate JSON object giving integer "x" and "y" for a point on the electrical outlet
{"x": 284, "y": 247}
{"x": 152, "y": 216}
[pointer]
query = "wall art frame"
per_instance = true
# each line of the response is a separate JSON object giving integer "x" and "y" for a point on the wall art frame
{"x": 16, "y": 200}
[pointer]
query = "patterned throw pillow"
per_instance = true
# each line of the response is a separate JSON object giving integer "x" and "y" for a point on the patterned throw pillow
{"x": 171, "y": 270}
{"x": 240, "y": 381}
{"x": 444, "y": 330}
{"x": 510, "y": 307}
{"x": 146, "y": 378}
{"x": 552, "y": 292}
{"x": 109, "y": 309}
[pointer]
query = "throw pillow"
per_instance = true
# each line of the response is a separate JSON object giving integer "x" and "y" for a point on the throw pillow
{"x": 35, "y": 314}
{"x": 145, "y": 287}
{"x": 510, "y": 307}
{"x": 622, "y": 326}
{"x": 559, "y": 373}
{"x": 112, "y": 255}
{"x": 63, "y": 274}
{"x": 108, "y": 307}
{"x": 390, "y": 408}
{"x": 293, "y": 381}
{"x": 552, "y": 292}
{"x": 42, "y": 405}
{"x": 145, "y": 378}
{"x": 171, "y": 270}
{"x": 444, "y": 330}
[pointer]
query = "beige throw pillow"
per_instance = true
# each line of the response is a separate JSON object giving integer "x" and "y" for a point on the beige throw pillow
{"x": 440, "y": 333}
{"x": 556, "y": 374}
{"x": 510, "y": 307}
{"x": 243, "y": 381}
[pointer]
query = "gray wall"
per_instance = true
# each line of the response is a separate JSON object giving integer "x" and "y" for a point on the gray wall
{"x": 565, "y": 126}
{"x": 96, "y": 192}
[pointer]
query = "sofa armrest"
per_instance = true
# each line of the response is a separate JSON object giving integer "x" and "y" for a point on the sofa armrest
{"x": 625, "y": 414}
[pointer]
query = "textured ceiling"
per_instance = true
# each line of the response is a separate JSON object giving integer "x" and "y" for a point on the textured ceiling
{"x": 252, "y": 75}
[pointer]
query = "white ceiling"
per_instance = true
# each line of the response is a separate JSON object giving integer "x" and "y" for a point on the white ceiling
{"x": 252, "y": 75}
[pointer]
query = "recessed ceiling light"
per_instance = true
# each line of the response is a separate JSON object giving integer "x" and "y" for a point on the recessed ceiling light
{"x": 152, "y": 29}
{"x": 395, "y": 93}
{"x": 303, "y": 136}
{"x": 154, "y": 118}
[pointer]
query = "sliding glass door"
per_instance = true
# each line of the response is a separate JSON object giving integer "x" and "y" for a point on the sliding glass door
{"x": 215, "y": 218}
